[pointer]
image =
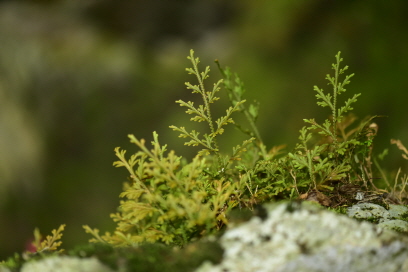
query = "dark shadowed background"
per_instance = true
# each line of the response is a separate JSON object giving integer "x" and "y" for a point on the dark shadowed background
{"x": 77, "y": 76}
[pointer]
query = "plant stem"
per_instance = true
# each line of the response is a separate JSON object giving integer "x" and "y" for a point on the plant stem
{"x": 335, "y": 90}
{"x": 200, "y": 79}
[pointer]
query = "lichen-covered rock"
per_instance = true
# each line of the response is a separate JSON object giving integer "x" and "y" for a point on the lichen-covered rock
{"x": 397, "y": 211}
{"x": 65, "y": 264}
{"x": 4, "y": 269}
{"x": 302, "y": 237}
{"x": 397, "y": 224}
{"x": 368, "y": 211}
{"x": 389, "y": 219}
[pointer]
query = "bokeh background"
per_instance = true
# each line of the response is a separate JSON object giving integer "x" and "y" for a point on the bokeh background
{"x": 77, "y": 76}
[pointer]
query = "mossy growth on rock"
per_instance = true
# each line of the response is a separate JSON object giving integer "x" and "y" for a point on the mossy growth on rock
{"x": 153, "y": 257}
{"x": 300, "y": 236}
{"x": 169, "y": 203}
{"x": 172, "y": 201}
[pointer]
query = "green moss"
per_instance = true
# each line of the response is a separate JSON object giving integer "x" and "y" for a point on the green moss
{"x": 152, "y": 257}
{"x": 340, "y": 210}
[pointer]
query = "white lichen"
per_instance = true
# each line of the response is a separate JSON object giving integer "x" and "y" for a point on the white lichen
{"x": 303, "y": 237}
{"x": 367, "y": 211}
{"x": 389, "y": 219}
{"x": 65, "y": 264}
{"x": 396, "y": 224}
{"x": 397, "y": 211}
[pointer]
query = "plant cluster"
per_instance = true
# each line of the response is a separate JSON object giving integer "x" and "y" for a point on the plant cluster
{"x": 168, "y": 200}
{"x": 331, "y": 159}
{"x": 171, "y": 201}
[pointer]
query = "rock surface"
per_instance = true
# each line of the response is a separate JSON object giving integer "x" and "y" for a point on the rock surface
{"x": 65, "y": 264}
{"x": 389, "y": 219}
{"x": 302, "y": 237}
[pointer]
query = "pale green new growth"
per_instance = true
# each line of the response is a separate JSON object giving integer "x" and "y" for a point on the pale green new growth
{"x": 95, "y": 233}
{"x": 166, "y": 200}
{"x": 51, "y": 242}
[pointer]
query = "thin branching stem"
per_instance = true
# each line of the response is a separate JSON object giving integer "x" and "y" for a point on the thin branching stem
{"x": 200, "y": 78}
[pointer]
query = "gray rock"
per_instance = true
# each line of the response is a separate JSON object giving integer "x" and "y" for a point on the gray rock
{"x": 302, "y": 237}
{"x": 65, "y": 264}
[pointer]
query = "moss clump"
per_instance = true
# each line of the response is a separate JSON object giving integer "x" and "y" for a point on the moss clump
{"x": 152, "y": 257}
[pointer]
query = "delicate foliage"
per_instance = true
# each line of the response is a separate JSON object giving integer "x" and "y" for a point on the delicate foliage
{"x": 51, "y": 242}
{"x": 332, "y": 159}
{"x": 165, "y": 200}
{"x": 235, "y": 88}
{"x": 203, "y": 113}
{"x": 329, "y": 128}
{"x": 171, "y": 201}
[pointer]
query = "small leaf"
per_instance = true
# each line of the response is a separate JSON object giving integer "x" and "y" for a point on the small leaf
{"x": 254, "y": 110}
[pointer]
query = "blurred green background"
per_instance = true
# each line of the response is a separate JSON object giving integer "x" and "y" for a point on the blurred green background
{"x": 77, "y": 76}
